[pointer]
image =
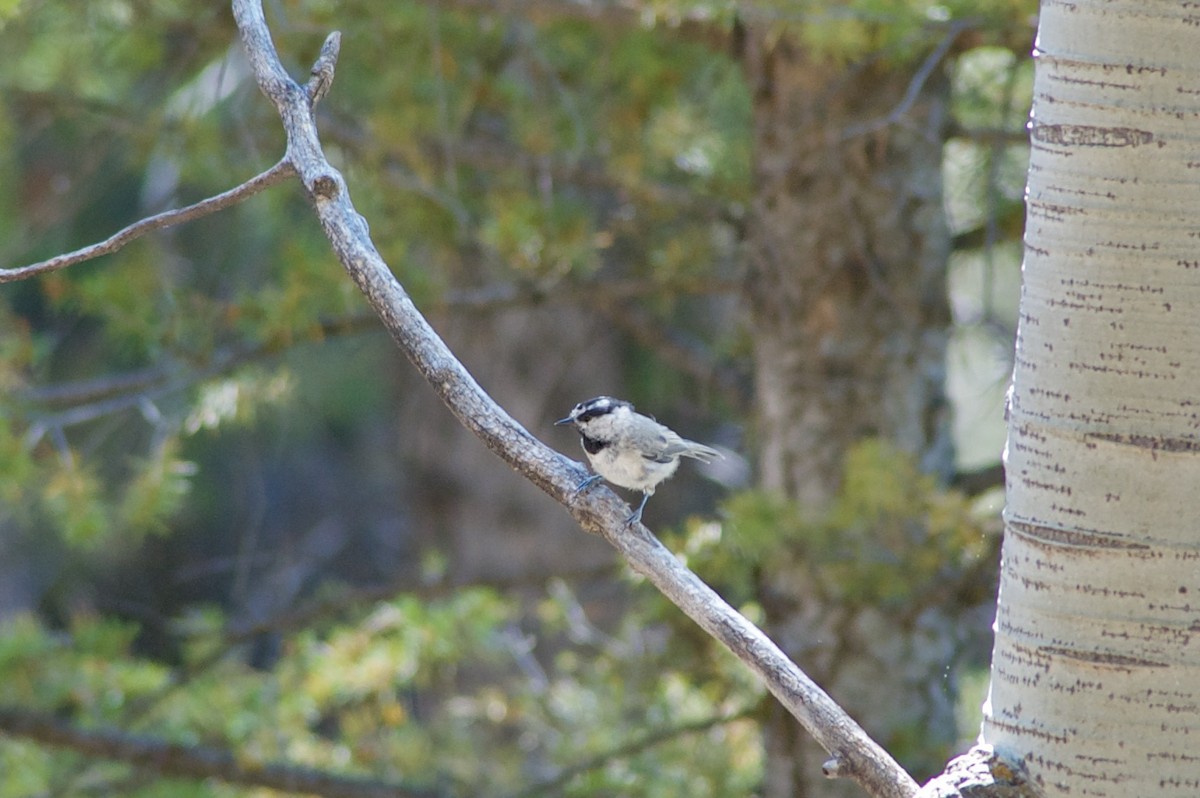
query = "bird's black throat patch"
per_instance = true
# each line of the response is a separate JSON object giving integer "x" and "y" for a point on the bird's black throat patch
{"x": 591, "y": 445}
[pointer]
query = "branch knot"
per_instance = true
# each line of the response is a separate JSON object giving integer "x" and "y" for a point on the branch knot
{"x": 325, "y": 186}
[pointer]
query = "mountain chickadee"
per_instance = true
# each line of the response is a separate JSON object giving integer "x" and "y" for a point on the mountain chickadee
{"x": 628, "y": 449}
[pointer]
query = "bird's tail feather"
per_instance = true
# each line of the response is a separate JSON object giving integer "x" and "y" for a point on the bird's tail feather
{"x": 698, "y": 451}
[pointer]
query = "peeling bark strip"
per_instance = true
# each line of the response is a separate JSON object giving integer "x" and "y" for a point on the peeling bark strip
{"x": 1090, "y": 136}
{"x": 597, "y": 511}
{"x": 1150, "y": 442}
{"x": 1073, "y": 537}
{"x": 1103, "y": 658}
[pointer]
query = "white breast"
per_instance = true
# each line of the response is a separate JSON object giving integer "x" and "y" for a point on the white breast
{"x": 627, "y": 468}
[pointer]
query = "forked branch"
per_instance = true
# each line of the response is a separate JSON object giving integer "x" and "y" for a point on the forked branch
{"x": 854, "y": 754}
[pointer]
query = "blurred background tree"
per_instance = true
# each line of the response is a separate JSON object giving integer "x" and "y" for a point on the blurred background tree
{"x": 232, "y": 516}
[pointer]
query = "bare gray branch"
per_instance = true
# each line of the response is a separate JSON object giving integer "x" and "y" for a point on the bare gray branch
{"x": 116, "y": 241}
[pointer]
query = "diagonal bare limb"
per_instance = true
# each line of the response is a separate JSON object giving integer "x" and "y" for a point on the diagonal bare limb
{"x": 276, "y": 174}
{"x": 854, "y": 754}
{"x": 197, "y": 761}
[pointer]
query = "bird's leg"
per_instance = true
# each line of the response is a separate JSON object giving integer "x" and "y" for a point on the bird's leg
{"x": 588, "y": 482}
{"x": 637, "y": 514}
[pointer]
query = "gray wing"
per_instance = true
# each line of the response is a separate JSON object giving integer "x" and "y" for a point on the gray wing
{"x": 662, "y": 444}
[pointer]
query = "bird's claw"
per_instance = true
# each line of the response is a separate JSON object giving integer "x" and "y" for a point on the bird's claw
{"x": 587, "y": 482}
{"x": 636, "y": 515}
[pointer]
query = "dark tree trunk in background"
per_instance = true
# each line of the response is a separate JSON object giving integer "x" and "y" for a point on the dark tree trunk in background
{"x": 845, "y": 285}
{"x": 847, "y": 249}
{"x": 493, "y": 525}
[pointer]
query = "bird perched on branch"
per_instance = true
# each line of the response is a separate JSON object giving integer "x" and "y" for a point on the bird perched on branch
{"x": 628, "y": 449}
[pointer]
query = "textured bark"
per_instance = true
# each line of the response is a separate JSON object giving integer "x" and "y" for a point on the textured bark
{"x": 1096, "y": 670}
{"x": 845, "y": 285}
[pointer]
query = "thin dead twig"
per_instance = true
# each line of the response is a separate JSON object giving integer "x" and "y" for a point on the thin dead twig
{"x": 555, "y": 784}
{"x": 276, "y": 174}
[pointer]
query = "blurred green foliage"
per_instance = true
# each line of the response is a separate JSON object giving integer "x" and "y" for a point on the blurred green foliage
{"x": 354, "y": 697}
{"x": 485, "y": 149}
{"x": 481, "y": 158}
{"x": 891, "y": 534}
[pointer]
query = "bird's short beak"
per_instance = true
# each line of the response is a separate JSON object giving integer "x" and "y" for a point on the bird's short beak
{"x": 561, "y": 421}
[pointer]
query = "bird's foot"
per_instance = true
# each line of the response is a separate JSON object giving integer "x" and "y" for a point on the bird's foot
{"x": 636, "y": 515}
{"x": 588, "y": 482}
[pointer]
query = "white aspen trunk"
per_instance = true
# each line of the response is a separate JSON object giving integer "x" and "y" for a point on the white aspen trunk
{"x": 1096, "y": 671}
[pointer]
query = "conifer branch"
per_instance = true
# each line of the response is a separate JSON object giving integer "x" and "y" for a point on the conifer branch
{"x": 196, "y": 761}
